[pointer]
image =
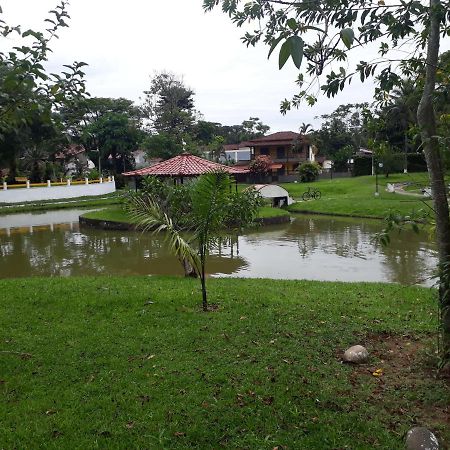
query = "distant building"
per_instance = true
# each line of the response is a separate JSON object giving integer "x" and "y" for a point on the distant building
{"x": 287, "y": 150}
{"x": 74, "y": 159}
{"x": 142, "y": 160}
{"x": 237, "y": 153}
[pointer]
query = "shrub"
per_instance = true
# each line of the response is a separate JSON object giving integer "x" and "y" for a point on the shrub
{"x": 260, "y": 165}
{"x": 242, "y": 208}
{"x": 308, "y": 171}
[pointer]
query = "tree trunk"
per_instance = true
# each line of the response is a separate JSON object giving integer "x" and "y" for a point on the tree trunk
{"x": 204, "y": 299}
{"x": 189, "y": 271}
{"x": 427, "y": 123}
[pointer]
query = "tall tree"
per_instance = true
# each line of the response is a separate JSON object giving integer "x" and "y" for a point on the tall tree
{"x": 345, "y": 127}
{"x": 114, "y": 135}
{"x": 324, "y": 33}
{"x": 29, "y": 94}
{"x": 169, "y": 105}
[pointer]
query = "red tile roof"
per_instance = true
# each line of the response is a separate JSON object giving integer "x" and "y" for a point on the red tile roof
{"x": 69, "y": 151}
{"x": 235, "y": 146}
{"x": 184, "y": 165}
{"x": 278, "y": 138}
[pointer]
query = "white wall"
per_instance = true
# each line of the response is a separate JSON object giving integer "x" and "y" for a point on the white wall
{"x": 22, "y": 195}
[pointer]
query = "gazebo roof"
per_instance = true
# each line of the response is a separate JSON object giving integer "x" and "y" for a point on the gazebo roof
{"x": 184, "y": 165}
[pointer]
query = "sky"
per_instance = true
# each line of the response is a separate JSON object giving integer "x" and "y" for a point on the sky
{"x": 125, "y": 43}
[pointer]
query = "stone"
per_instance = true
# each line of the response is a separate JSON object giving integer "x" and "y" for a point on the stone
{"x": 356, "y": 355}
{"x": 420, "y": 438}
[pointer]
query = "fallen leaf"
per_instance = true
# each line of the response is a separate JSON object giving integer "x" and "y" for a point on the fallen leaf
{"x": 377, "y": 373}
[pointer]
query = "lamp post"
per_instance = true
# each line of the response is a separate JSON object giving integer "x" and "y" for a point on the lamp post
{"x": 380, "y": 165}
{"x": 99, "y": 162}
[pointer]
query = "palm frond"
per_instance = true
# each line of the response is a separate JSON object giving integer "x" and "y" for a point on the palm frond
{"x": 149, "y": 216}
{"x": 208, "y": 200}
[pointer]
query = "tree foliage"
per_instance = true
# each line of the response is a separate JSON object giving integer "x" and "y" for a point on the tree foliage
{"x": 169, "y": 106}
{"x": 308, "y": 171}
{"x": 29, "y": 94}
{"x": 261, "y": 165}
{"x": 318, "y": 37}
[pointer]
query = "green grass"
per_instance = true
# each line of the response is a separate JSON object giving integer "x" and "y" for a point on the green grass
{"x": 355, "y": 196}
{"x": 47, "y": 205}
{"x": 267, "y": 212}
{"x": 114, "y": 214}
{"x": 118, "y": 214}
{"x": 91, "y": 363}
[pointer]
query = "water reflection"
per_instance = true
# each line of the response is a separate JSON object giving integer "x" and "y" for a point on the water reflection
{"x": 67, "y": 250}
{"x": 320, "y": 248}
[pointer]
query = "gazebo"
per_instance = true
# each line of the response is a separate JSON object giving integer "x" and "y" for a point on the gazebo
{"x": 184, "y": 166}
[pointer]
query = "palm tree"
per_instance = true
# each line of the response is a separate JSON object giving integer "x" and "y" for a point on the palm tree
{"x": 33, "y": 160}
{"x": 306, "y": 128}
{"x": 208, "y": 194}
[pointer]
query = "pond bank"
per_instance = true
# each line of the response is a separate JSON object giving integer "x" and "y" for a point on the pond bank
{"x": 117, "y": 218}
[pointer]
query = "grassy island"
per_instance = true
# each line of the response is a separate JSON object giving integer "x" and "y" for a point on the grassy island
{"x": 117, "y": 214}
{"x": 134, "y": 363}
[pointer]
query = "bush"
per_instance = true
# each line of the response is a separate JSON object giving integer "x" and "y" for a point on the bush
{"x": 242, "y": 207}
{"x": 260, "y": 165}
{"x": 308, "y": 171}
{"x": 239, "y": 208}
{"x": 362, "y": 165}
{"x": 416, "y": 162}
{"x": 93, "y": 174}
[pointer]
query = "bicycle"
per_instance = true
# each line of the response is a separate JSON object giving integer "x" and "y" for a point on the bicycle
{"x": 311, "y": 194}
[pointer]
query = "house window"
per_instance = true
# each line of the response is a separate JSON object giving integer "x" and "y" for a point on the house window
{"x": 264, "y": 151}
{"x": 281, "y": 153}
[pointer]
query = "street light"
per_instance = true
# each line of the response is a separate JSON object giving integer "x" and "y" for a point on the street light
{"x": 99, "y": 162}
{"x": 380, "y": 165}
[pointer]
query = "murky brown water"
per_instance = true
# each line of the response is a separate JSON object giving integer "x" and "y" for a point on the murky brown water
{"x": 311, "y": 247}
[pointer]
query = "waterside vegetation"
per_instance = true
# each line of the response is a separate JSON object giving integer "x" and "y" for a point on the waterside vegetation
{"x": 48, "y": 205}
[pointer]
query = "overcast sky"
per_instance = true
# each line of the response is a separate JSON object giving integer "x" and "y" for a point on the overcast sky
{"x": 125, "y": 42}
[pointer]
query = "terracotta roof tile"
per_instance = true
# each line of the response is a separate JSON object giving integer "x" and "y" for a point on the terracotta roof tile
{"x": 184, "y": 165}
{"x": 276, "y": 138}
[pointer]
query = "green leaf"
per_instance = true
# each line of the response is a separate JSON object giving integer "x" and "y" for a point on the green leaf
{"x": 292, "y": 24}
{"x": 274, "y": 45}
{"x": 285, "y": 52}
{"x": 347, "y": 36}
{"x": 297, "y": 50}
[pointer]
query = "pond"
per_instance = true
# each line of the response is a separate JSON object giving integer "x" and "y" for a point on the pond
{"x": 310, "y": 247}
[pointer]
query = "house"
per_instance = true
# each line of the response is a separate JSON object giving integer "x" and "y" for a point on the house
{"x": 237, "y": 153}
{"x": 286, "y": 149}
{"x": 141, "y": 159}
{"x": 75, "y": 159}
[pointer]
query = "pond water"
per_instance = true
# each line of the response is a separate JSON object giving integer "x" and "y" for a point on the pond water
{"x": 310, "y": 247}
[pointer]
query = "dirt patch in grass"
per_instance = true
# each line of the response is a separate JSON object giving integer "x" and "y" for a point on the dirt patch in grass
{"x": 396, "y": 379}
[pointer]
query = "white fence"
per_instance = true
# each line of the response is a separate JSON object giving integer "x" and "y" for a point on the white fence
{"x": 28, "y": 193}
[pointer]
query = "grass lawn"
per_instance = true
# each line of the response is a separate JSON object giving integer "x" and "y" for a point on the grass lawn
{"x": 132, "y": 362}
{"x": 355, "y": 196}
{"x": 118, "y": 214}
{"x": 47, "y": 205}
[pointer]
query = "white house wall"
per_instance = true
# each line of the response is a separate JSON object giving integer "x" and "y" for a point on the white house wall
{"x": 32, "y": 194}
